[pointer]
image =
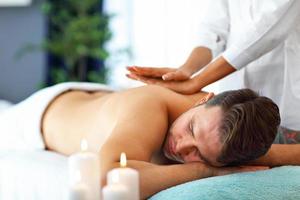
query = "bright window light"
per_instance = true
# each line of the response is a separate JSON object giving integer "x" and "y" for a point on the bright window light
{"x": 15, "y": 2}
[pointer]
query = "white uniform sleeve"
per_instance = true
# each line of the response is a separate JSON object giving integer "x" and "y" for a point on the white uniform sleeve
{"x": 214, "y": 26}
{"x": 267, "y": 33}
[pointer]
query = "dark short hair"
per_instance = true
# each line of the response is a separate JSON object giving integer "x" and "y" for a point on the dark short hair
{"x": 248, "y": 127}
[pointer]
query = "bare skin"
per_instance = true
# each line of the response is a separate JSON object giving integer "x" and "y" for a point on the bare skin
{"x": 181, "y": 80}
{"x": 135, "y": 121}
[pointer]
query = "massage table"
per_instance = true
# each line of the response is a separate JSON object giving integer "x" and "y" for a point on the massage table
{"x": 42, "y": 175}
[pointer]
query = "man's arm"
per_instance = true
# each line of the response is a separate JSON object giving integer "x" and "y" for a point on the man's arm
{"x": 280, "y": 154}
{"x": 155, "y": 178}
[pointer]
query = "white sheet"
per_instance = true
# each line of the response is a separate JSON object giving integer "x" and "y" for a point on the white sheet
{"x": 20, "y": 124}
{"x": 27, "y": 172}
{"x": 35, "y": 175}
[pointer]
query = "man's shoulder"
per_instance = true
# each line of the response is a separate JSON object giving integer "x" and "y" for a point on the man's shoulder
{"x": 149, "y": 93}
{"x": 153, "y": 94}
{"x": 173, "y": 103}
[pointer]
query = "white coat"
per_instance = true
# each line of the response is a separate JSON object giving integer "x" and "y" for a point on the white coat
{"x": 261, "y": 39}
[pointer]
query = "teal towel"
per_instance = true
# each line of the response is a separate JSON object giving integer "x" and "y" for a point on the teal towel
{"x": 273, "y": 184}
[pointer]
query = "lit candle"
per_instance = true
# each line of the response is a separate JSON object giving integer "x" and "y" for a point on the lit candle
{"x": 116, "y": 191}
{"x": 79, "y": 191}
{"x": 88, "y": 164}
{"x": 126, "y": 176}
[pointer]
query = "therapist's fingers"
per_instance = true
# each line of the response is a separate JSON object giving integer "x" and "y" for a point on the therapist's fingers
{"x": 149, "y": 71}
{"x": 167, "y": 74}
{"x": 184, "y": 87}
{"x": 177, "y": 75}
{"x": 143, "y": 79}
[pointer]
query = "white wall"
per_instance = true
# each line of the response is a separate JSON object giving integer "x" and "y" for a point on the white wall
{"x": 160, "y": 33}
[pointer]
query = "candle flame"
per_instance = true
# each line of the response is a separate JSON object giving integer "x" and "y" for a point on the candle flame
{"x": 123, "y": 161}
{"x": 84, "y": 145}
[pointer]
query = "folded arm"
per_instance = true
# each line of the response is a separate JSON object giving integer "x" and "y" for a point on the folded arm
{"x": 155, "y": 178}
{"x": 280, "y": 154}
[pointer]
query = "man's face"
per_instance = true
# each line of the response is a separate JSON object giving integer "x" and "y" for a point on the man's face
{"x": 194, "y": 136}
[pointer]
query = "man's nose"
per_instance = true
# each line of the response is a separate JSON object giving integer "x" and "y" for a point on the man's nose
{"x": 184, "y": 148}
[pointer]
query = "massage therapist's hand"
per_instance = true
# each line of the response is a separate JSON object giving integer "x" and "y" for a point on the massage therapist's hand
{"x": 164, "y": 73}
{"x": 214, "y": 71}
{"x": 180, "y": 81}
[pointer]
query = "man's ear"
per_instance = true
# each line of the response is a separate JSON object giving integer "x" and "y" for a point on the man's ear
{"x": 205, "y": 99}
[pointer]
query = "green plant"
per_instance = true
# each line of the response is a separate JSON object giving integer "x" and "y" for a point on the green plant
{"x": 77, "y": 32}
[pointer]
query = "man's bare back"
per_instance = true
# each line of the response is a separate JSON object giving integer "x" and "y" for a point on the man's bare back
{"x": 143, "y": 114}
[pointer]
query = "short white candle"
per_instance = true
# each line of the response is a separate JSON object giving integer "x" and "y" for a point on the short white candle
{"x": 89, "y": 166}
{"x": 79, "y": 191}
{"x": 126, "y": 176}
{"x": 116, "y": 192}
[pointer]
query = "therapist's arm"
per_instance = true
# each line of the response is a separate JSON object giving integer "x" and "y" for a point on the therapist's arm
{"x": 214, "y": 71}
{"x": 199, "y": 57}
{"x": 265, "y": 35}
{"x": 280, "y": 154}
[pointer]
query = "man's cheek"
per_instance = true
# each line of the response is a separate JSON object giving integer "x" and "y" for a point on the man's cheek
{"x": 192, "y": 158}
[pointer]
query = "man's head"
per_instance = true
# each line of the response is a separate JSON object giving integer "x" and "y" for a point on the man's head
{"x": 230, "y": 128}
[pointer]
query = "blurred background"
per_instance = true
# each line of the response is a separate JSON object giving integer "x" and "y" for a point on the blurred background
{"x": 44, "y": 42}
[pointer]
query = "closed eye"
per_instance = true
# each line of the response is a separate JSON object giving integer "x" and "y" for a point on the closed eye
{"x": 191, "y": 126}
{"x": 191, "y": 129}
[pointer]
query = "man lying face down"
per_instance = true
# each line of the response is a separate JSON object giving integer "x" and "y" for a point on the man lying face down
{"x": 230, "y": 128}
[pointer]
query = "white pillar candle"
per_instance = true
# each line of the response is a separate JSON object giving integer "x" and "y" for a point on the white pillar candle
{"x": 116, "y": 192}
{"x": 88, "y": 164}
{"x": 126, "y": 176}
{"x": 79, "y": 191}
